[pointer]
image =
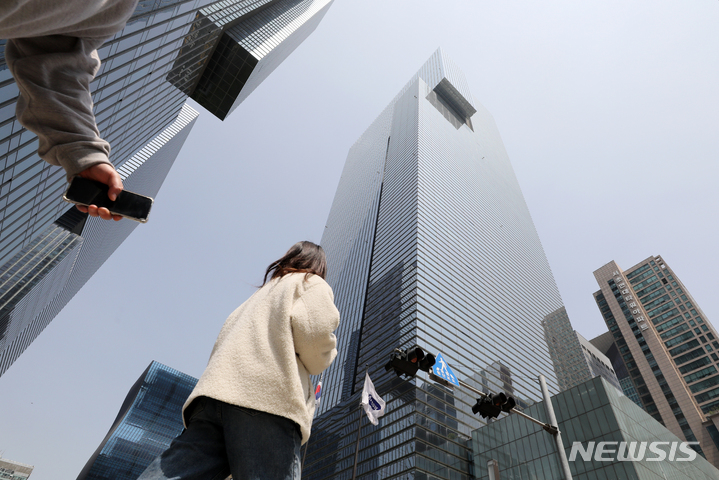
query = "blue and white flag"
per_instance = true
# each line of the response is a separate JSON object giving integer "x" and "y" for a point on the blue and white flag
{"x": 372, "y": 403}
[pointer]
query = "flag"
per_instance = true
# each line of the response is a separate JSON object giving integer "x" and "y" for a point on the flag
{"x": 318, "y": 393}
{"x": 372, "y": 403}
{"x": 318, "y": 390}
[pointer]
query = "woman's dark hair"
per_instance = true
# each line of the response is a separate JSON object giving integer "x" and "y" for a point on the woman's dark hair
{"x": 302, "y": 257}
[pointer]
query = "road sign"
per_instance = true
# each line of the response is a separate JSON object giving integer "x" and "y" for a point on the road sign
{"x": 442, "y": 370}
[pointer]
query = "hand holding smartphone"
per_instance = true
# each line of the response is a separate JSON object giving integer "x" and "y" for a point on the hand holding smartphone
{"x": 83, "y": 191}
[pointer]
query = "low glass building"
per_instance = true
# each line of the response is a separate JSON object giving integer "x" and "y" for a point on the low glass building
{"x": 606, "y": 437}
{"x": 149, "y": 419}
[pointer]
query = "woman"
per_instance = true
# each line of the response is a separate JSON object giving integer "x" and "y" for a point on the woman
{"x": 253, "y": 406}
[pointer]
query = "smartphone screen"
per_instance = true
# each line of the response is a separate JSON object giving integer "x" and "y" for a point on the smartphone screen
{"x": 128, "y": 204}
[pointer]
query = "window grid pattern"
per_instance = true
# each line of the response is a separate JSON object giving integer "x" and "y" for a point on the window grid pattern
{"x": 651, "y": 291}
{"x": 250, "y": 40}
{"x": 133, "y": 104}
{"x": 570, "y": 365}
{"x": 417, "y": 202}
{"x": 150, "y": 418}
{"x": 28, "y": 282}
{"x": 143, "y": 172}
{"x": 10, "y": 470}
{"x": 590, "y": 412}
{"x": 147, "y": 71}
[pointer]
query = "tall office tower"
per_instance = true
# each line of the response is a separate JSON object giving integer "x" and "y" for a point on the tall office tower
{"x": 149, "y": 419}
{"x": 668, "y": 345}
{"x": 428, "y": 242}
{"x": 247, "y": 41}
{"x": 47, "y": 250}
{"x": 43, "y": 277}
{"x": 575, "y": 359}
{"x": 13, "y": 470}
{"x": 605, "y": 344}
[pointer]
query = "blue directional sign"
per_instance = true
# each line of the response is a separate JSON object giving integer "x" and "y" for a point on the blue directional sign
{"x": 442, "y": 370}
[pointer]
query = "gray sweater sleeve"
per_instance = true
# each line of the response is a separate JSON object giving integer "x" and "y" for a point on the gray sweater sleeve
{"x": 53, "y": 74}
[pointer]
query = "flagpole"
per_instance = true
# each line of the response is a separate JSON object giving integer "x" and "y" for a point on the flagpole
{"x": 307, "y": 445}
{"x": 359, "y": 428}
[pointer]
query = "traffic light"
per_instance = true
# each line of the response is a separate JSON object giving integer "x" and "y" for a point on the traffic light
{"x": 509, "y": 405}
{"x": 427, "y": 362}
{"x": 407, "y": 362}
{"x": 493, "y": 404}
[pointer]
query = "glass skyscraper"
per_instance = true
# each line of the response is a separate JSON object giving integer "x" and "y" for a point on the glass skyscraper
{"x": 668, "y": 345}
{"x": 429, "y": 242}
{"x": 149, "y": 419}
{"x": 235, "y": 45}
{"x": 169, "y": 49}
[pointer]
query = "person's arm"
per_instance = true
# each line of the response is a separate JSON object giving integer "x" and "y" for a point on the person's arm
{"x": 314, "y": 318}
{"x": 53, "y": 74}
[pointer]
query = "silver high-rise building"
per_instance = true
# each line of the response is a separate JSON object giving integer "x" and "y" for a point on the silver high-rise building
{"x": 429, "y": 242}
{"x": 215, "y": 51}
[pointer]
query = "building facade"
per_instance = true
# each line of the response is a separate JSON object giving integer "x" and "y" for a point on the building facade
{"x": 10, "y": 470}
{"x": 149, "y": 419}
{"x": 215, "y": 51}
{"x": 599, "y": 364}
{"x": 636, "y": 446}
{"x": 668, "y": 345}
{"x": 605, "y": 344}
{"x": 575, "y": 359}
{"x": 234, "y": 45}
{"x": 428, "y": 242}
{"x": 37, "y": 283}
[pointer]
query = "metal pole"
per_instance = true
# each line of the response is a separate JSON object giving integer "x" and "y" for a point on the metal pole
{"x": 557, "y": 436}
{"x": 359, "y": 428}
{"x": 302, "y": 465}
{"x": 493, "y": 469}
{"x": 307, "y": 445}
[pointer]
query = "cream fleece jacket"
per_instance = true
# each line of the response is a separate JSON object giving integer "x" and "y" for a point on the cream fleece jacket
{"x": 52, "y": 53}
{"x": 269, "y": 347}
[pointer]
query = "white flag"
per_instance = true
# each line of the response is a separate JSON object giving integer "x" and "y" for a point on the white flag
{"x": 371, "y": 402}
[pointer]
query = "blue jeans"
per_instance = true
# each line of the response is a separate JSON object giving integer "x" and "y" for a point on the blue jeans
{"x": 222, "y": 439}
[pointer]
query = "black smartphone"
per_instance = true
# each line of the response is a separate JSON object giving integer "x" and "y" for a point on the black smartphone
{"x": 90, "y": 192}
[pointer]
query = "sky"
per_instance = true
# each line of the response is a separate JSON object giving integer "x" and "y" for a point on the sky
{"x": 609, "y": 112}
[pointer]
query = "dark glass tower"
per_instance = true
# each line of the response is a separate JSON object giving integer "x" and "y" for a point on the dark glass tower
{"x": 169, "y": 49}
{"x": 429, "y": 242}
{"x": 235, "y": 45}
{"x": 149, "y": 419}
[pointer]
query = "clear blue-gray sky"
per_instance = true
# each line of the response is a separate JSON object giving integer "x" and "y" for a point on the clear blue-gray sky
{"x": 609, "y": 112}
